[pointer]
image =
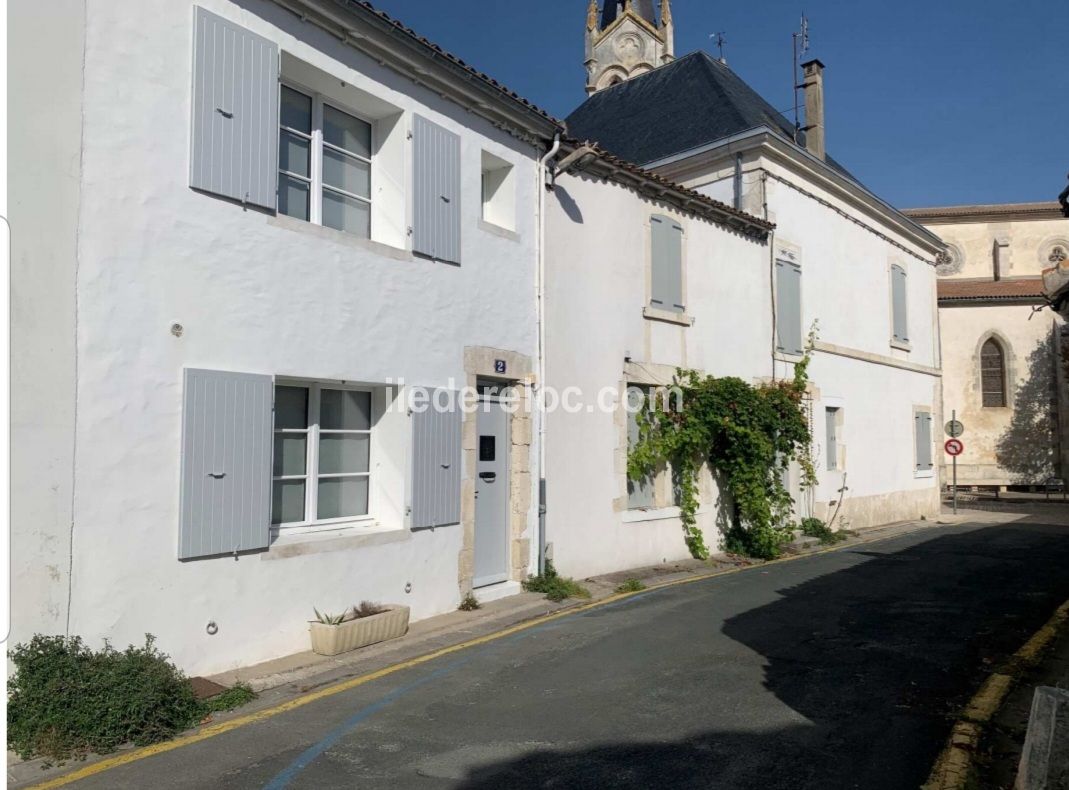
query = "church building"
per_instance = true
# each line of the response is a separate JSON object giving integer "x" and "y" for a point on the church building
{"x": 624, "y": 39}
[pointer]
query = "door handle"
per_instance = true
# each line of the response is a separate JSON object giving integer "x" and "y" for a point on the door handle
{"x": 489, "y": 477}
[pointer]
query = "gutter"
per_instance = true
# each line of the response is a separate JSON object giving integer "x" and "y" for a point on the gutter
{"x": 540, "y": 297}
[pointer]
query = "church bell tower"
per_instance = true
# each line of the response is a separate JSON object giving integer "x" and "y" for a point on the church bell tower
{"x": 625, "y": 39}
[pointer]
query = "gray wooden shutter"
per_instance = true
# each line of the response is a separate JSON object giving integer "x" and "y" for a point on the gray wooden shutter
{"x": 922, "y": 427}
{"x": 436, "y": 191}
{"x": 639, "y": 492}
{"x": 900, "y": 324}
{"x": 666, "y": 264}
{"x": 436, "y": 463}
{"x": 235, "y": 111}
{"x": 226, "y": 463}
{"x": 789, "y": 307}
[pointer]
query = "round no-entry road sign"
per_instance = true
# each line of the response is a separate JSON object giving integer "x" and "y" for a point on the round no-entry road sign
{"x": 953, "y": 447}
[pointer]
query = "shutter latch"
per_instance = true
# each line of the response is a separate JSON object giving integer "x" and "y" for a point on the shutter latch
{"x": 217, "y": 475}
{"x": 224, "y": 113}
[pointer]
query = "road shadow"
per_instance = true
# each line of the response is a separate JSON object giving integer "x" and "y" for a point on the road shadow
{"x": 878, "y": 657}
{"x": 1026, "y": 449}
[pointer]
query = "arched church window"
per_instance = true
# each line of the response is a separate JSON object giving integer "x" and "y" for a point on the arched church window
{"x": 993, "y": 373}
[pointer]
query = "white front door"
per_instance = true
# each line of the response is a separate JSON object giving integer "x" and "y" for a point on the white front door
{"x": 491, "y": 493}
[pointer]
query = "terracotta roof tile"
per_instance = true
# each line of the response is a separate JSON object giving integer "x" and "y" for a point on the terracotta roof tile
{"x": 959, "y": 290}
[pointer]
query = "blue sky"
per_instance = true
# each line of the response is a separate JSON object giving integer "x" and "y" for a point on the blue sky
{"x": 928, "y": 103}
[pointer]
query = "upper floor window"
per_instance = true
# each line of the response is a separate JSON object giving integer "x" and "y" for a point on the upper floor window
{"x": 899, "y": 312}
{"x": 666, "y": 264}
{"x": 498, "y": 192}
{"x": 993, "y": 373}
{"x": 788, "y": 307}
{"x": 324, "y": 163}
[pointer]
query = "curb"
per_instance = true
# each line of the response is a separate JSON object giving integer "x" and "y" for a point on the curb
{"x": 952, "y": 768}
{"x": 338, "y": 687}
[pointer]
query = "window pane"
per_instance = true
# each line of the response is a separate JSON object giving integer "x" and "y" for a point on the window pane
{"x": 293, "y": 153}
{"x": 342, "y": 496}
{"x": 287, "y": 505}
{"x": 345, "y": 172}
{"x": 292, "y": 197}
{"x": 296, "y": 110}
{"x": 344, "y": 410}
{"x": 345, "y": 131}
{"x": 341, "y": 452}
{"x": 291, "y": 407}
{"x": 348, "y": 214}
{"x": 291, "y": 450}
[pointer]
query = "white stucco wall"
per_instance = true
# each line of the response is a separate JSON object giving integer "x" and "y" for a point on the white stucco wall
{"x": 43, "y": 198}
{"x": 597, "y": 257}
{"x": 254, "y": 293}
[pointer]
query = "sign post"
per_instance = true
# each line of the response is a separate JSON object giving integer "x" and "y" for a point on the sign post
{"x": 953, "y": 447}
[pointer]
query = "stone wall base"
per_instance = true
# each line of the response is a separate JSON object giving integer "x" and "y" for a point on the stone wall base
{"x": 872, "y": 511}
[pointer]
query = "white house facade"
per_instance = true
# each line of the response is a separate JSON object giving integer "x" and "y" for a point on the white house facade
{"x": 839, "y": 260}
{"x": 245, "y": 234}
{"x": 643, "y": 278}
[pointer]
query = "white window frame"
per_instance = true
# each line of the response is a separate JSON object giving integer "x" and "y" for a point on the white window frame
{"x": 311, "y": 462}
{"x": 315, "y": 169}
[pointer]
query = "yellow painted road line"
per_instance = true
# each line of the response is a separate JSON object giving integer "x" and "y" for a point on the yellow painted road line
{"x": 213, "y": 730}
{"x": 952, "y": 768}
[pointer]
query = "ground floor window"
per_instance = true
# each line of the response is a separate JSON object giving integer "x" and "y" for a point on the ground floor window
{"x": 322, "y": 454}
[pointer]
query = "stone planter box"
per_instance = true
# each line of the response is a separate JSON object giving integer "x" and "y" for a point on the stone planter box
{"x": 330, "y": 640}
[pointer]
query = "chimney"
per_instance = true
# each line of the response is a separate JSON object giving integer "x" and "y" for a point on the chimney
{"x": 813, "y": 82}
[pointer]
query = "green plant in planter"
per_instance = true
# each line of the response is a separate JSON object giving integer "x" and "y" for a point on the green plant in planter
{"x": 748, "y": 435}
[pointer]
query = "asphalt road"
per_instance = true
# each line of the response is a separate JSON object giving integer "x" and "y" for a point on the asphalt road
{"x": 836, "y": 670}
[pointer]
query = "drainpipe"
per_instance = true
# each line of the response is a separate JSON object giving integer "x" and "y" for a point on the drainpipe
{"x": 540, "y": 289}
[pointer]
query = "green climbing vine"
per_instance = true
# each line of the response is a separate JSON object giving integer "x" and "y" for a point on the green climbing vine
{"x": 748, "y": 435}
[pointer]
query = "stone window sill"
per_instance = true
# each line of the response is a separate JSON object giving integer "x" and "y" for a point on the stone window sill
{"x": 345, "y": 538}
{"x": 901, "y": 345}
{"x": 668, "y": 316}
{"x": 637, "y": 515}
{"x": 497, "y": 230}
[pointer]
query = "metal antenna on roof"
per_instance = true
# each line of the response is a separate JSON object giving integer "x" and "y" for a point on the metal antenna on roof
{"x": 720, "y": 41}
{"x": 800, "y": 42}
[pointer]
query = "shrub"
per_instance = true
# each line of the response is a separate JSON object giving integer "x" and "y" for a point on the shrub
{"x": 556, "y": 588}
{"x": 631, "y": 585}
{"x": 66, "y": 700}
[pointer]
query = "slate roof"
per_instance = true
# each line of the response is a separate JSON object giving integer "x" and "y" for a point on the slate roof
{"x": 968, "y": 290}
{"x": 688, "y": 103}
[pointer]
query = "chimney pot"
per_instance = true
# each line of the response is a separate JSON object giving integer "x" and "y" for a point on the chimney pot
{"x": 813, "y": 73}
